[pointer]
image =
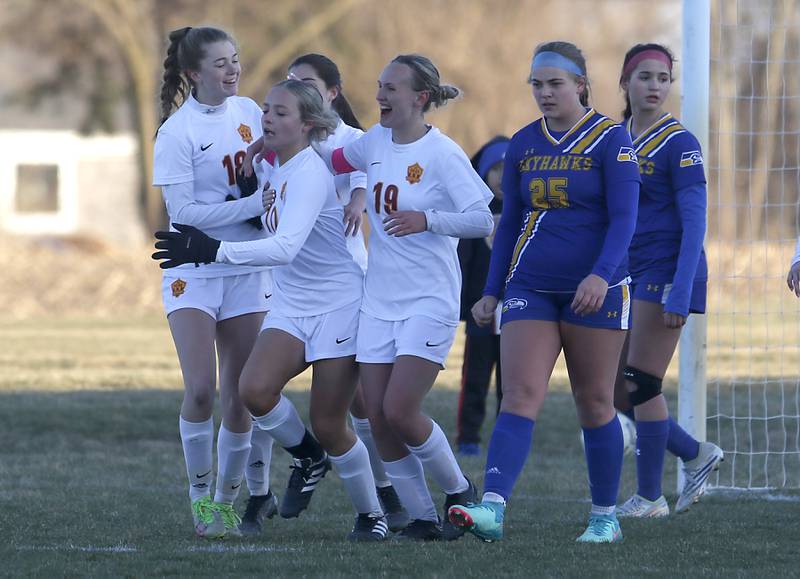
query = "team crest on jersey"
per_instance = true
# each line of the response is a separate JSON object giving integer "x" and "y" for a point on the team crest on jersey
{"x": 414, "y": 173}
{"x": 178, "y": 287}
{"x": 690, "y": 158}
{"x": 515, "y": 304}
{"x": 245, "y": 133}
{"x": 627, "y": 154}
{"x": 283, "y": 191}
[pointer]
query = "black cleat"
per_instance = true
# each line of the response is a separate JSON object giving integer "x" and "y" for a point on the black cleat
{"x": 450, "y": 531}
{"x": 368, "y": 529}
{"x": 305, "y": 476}
{"x": 396, "y": 514}
{"x": 420, "y": 530}
{"x": 259, "y": 507}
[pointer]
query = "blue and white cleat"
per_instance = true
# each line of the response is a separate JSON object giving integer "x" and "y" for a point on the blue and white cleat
{"x": 484, "y": 520}
{"x": 602, "y": 529}
{"x": 638, "y": 507}
{"x": 696, "y": 473}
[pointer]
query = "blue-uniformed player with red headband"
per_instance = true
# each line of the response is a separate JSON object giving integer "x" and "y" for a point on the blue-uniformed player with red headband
{"x": 669, "y": 272}
{"x": 559, "y": 262}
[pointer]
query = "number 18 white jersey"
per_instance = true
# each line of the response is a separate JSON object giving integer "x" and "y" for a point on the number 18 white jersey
{"x": 417, "y": 274}
{"x": 206, "y": 145}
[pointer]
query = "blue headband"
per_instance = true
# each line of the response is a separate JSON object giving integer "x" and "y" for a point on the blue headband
{"x": 555, "y": 60}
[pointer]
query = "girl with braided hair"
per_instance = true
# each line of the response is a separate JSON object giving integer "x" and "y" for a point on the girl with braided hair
{"x": 214, "y": 311}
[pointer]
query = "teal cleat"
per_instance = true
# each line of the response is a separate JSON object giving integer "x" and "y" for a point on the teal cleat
{"x": 602, "y": 529}
{"x": 484, "y": 520}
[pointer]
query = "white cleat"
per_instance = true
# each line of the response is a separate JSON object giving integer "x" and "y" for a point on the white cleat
{"x": 638, "y": 507}
{"x": 696, "y": 473}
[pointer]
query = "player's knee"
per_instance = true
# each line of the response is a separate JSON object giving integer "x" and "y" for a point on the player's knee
{"x": 593, "y": 405}
{"x": 200, "y": 396}
{"x": 329, "y": 432}
{"x": 397, "y": 416}
{"x": 647, "y": 385}
{"x": 521, "y": 399}
{"x": 257, "y": 396}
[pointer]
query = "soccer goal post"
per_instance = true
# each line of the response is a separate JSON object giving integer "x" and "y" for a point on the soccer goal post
{"x": 739, "y": 383}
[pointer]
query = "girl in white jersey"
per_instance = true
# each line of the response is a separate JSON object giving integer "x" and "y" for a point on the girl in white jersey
{"x": 314, "y": 310}
{"x": 322, "y": 73}
{"x": 212, "y": 307}
{"x": 423, "y": 195}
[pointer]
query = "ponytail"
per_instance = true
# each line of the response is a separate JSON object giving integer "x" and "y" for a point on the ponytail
{"x": 342, "y": 107}
{"x": 425, "y": 77}
{"x": 173, "y": 83}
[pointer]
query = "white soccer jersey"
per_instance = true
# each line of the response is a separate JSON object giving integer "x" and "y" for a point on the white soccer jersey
{"x": 205, "y": 146}
{"x": 345, "y": 184}
{"x": 417, "y": 274}
{"x": 315, "y": 273}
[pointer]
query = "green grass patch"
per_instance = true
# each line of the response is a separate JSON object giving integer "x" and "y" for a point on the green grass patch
{"x": 92, "y": 482}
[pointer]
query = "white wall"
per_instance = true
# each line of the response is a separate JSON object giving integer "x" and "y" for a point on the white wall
{"x": 98, "y": 185}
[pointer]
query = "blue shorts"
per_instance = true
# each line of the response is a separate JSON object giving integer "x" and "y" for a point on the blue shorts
{"x": 657, "y": 293}
{"x": 523, "y": 304}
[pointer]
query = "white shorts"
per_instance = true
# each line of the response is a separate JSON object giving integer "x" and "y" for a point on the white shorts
{"x": 220, "y": 297}
{"x": 331, "y": 335}
{"x": 381, "y": 341}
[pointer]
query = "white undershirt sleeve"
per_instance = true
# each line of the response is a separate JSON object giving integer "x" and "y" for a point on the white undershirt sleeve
{"x": 475, "y": 221}
{"x": 182, "y": 207}
{"x": 296, "y": 221}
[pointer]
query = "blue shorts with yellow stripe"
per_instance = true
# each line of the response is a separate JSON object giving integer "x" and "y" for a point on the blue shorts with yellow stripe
{"x": 657, "y": 293}
{"x": 521, "y": 304}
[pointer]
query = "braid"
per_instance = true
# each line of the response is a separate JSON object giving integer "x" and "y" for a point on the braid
{"x": 173, "y": 83}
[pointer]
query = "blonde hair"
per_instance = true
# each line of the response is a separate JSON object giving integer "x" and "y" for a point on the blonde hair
{"x": 425, "y": 77}
{"x": 312, "y": 108}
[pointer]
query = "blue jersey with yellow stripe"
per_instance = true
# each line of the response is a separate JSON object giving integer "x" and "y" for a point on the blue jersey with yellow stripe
{"x": 569, "y": 206}
{"x": 672, "y": 204}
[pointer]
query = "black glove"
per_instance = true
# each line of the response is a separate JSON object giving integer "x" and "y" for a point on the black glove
{"x": 247, "y": 185}
{"x": 187, "y": 245}
{"x": 254, "y": 221}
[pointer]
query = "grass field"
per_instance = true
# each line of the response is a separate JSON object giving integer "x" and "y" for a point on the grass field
{"x": 92, "y": 483}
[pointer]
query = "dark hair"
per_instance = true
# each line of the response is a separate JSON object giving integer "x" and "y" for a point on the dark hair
{"x": 573, "y": 53}
{"x": 187, "y": 47}
{"x": 425, "y": 77}
{"x": 327, "y": 70}
{"x": 626, "y": 77}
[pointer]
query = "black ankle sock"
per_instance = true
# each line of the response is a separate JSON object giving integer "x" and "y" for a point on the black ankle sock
{"x": 308, "y": 448}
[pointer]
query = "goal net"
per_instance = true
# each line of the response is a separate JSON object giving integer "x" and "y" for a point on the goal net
{"x": 753, "y": 165}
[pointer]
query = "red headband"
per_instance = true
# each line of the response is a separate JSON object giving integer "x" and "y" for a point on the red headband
{"x": 651, "y": 54}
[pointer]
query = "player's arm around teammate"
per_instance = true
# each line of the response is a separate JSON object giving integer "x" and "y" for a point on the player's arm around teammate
{"x": 213, "y": 311}
{"x": 423, "y": 194}
{"x": 669, "y": 272}
{"x": 314, "y": 312}
{"x": 559, "y": 259}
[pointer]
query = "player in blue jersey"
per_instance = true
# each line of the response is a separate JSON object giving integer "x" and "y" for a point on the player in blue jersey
{"x": 559, "y": 260}
{"x": 669, "y": 272}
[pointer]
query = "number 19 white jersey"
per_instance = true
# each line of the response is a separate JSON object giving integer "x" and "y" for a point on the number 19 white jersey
{"x": 417, "y": 274}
